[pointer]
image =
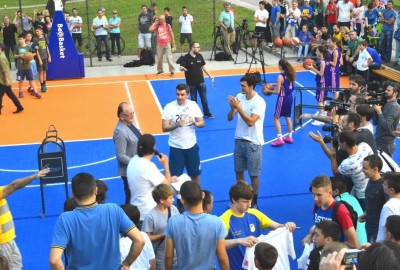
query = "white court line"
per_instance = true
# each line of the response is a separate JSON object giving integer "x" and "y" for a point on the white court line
{"x": 128, "y": 93}
{"x": 112, "y": 158}
{"x": 155, "y": 97}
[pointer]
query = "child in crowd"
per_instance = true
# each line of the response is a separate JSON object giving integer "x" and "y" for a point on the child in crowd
{"x": 284, "y": 89}
{"x": 323, "y": 78}
{"x": 156, "y": 220}
{"x": 265, "y": 256}
{"x": 363, "y": 61}
{"x": 331, "y": 18}
{"x": 335, "y": 56}
{"x": 325, "y": 232}
{"x": 305, "y": 37}
{"x": 102, "y": 189}
{"x": 42, "y": 57}
{"x": 146, "y": 259}
{"x": 208, "y": 201}
{"x": 24, "y": 67}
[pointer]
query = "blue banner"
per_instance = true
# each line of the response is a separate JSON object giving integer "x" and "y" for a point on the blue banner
{"x": 66, "y": 62}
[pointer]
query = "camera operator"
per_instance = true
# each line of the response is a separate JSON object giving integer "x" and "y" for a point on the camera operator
{"x": 260, "y": 17}
{"x": 386, "y": 118}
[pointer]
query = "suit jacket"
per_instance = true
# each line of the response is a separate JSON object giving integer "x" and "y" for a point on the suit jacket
{"x": 125, "y": 143}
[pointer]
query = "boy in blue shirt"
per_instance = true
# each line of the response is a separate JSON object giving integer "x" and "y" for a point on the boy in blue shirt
{"x": 305, "y": 37}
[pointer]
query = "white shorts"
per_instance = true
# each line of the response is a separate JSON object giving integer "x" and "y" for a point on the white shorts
{"x": 144, "y": 39}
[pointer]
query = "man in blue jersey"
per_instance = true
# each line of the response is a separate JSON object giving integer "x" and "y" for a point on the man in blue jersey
{"x": 245, "y": 224}
{"x": 376, "y": 59}
{"x": 90, "y": 234}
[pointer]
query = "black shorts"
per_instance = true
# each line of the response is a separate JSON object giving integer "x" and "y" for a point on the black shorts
{"x": 77, "y": 37}
{"x": 43, "y": 67}
{"x": 185, "y": 36}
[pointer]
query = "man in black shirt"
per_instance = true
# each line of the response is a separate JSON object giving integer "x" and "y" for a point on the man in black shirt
{"x": 193, "y": 65}
{"x": 9, "y": 30}
{"x": 268, "y": 36}
{"x": 375, "y": 197}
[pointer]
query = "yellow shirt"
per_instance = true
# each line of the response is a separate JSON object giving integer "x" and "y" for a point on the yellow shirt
{"x": 7, "y": 230}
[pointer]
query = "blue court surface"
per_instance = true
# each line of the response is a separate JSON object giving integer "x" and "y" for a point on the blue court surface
{"x": 286, "y": 174}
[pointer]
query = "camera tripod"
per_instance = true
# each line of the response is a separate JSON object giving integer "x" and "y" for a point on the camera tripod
{"x": 259, "y": 48}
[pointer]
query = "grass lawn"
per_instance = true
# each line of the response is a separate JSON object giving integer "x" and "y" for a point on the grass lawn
{"x": 202, "y": 11}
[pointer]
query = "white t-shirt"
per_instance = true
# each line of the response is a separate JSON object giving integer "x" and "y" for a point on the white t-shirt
{"x": 363, "y": 57}
{"x": 344, "y": 11}
{"x": 352, "y": 166}
{"x": 147, "y": 254}
{"x": 186, "y": 23}
{"x": 257, "y": 106}
{"x": 182, "y": 137}
{"x": 391, "y": 207}
{"x": 143, "y": 175}
{"x": 262, "y": 15}
{"x": 75, "y": 20}
{"x": 100, "y": 31}
{"x": 360, "y": 15}
{"x": 282, "y": 240}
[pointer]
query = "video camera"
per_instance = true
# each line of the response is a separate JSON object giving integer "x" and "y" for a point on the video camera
{"x": 333, "y": 137}
{"x": 376, "y": 92}
{"x": 337, "y": 104}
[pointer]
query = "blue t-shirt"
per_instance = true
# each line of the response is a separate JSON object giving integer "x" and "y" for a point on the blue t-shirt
{"x": 372, "y": 17}
{"x": 90, "y": 236}
{"x": 113, "y": 20}
{"x": 374, "y": 55}
{"x": 252, "y": 222}
{"x": 388, "y": 14}
{"x": 195, "y": 239}
{"x": 305, "y": 37}
{"x": 275, "y": 10}
{"x": 308, "y": 10}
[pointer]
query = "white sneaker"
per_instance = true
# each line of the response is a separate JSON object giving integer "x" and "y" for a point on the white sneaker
{"x": 317, "y": 123}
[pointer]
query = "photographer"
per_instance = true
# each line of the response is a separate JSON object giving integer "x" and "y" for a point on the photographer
{"x": 386, "y": 119}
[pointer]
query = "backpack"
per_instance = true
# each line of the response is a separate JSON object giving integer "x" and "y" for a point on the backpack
{"x": 147, "y": 57}
{"x": 222, "y": 56}
{"x": 134, "y": 63}
{"x": 353, "y": 213}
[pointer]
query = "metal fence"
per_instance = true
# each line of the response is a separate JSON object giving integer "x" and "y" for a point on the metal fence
{"x": 203, "y": 12}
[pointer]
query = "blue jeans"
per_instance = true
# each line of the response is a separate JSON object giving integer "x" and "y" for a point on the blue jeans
{"x": 201, "y": 88}
{"x": 386, "y": 44}
{"x": 397, "y": 55}
{"x": 99, "y": 40}
{"x": 301, "y": 49}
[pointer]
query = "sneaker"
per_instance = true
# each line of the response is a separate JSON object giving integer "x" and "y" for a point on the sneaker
{"x": 209, "y": 116}
{"x": 119, "y": 56}
{"x": 19, "y": 110}
{"x": 298, "y": 60}
{"x": 109, "y": 59}
{"x": 100, "y": 59}
{"x": 31, "y": 91}
{"x": 37, "y": 95}
{"x": 172, "y": 73}
{"x": 160, "y": 72}
{"x": 43, "y": 89}
{"x": 278, "y": 142}
{"x": 21, "y": 94}
{"x": 317, "y": 123}
{"x": 288, "y": 139}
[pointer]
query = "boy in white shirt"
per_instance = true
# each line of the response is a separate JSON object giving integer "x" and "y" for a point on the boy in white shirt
{"x": 364, "y": 60}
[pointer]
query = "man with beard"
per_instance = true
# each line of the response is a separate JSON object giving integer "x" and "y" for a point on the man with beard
{"x": 386, "y": 119}
{"x": 193, "y": 65}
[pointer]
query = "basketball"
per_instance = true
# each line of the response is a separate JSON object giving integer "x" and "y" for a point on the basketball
{"x": 308, "y": 62}
{"x": 278, "y": 42}
{"x": 295, "y": 41}
{"x": 28, "y": 57}
{"x": 286, "y": 41}
{"x": 267, "y": 87}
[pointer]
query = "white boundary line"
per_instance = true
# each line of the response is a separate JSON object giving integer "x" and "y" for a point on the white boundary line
{"x": 112, "y": 158}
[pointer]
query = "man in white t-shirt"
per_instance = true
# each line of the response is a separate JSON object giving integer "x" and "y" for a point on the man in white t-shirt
{"x": 352, "y": 166}
{"x": 180, "y": 118}
{"x": 391, "y": 187}
{"x": 363, "y": 61}
{"x": 100, "y": 27}
{"x": 260, "y": 17}
{"x": 75, "y": 27}
{"x": 344, "y": 8}
{"x": 292, "y": 20}
{"x": 186, "y": 22}
{"x": 249, "y": 136}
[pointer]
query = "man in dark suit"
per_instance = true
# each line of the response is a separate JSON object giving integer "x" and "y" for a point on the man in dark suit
{"x": 125, "y": 138}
